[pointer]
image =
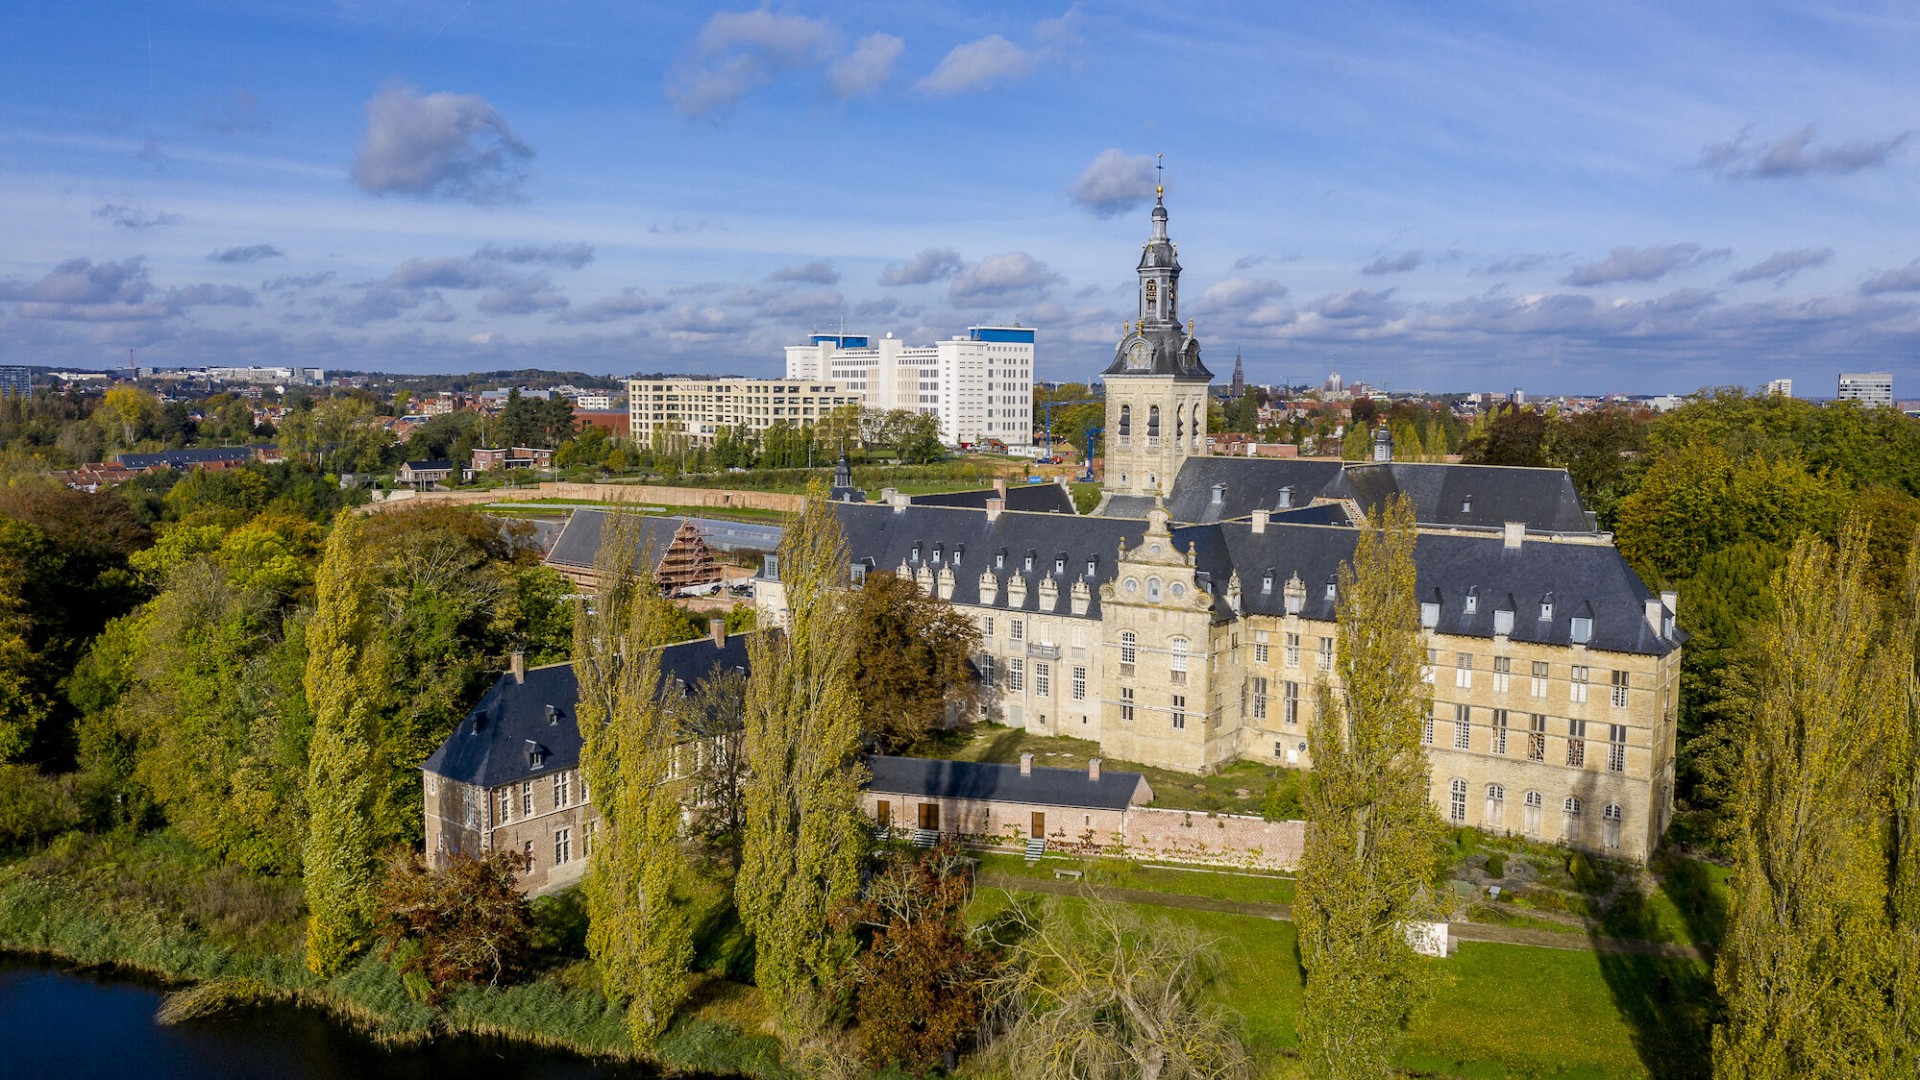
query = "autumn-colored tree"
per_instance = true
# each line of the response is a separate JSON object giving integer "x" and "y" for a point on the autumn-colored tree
{"x": 805, "y": 833}
{"x": 918, "y": 979}
{"x": 639, "y": 932}
{"x": 1903, "y": 834}
{"x": 911, "y": 660}
{"x": 1805, "y": 962}
{"x": 345, "y": 679}
{"x": 714, "y": 717}
{"x": 1372, "y": 843}
{"x": 466, "y": 923}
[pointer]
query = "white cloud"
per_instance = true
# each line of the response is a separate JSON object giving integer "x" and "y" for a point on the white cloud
{"x": 1114, "y": 183}
{"x": 977, "y": 65}
{"x": 1781, "y": 265}
{"x": 1399, "y": 264}
{"x": 866, "y": 68}
{"x": 1790, "y": 156}
{"x": 132, "y": 215}
{"x": 1904, "y": 279}
{"x": 571, "y": 256}
{"x": 816, "y": 272}
{"x": 740, "y": 51}
{"x": 932, "y": 264}
{"x": 451, "y": 145}
{"x": 1012, "y": 276}
{"x": 626, "y": 303}
{"x": 1642, "y": 264}
{"x": 247, "y": 254}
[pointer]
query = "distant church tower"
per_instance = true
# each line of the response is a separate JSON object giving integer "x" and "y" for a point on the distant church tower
{"x": 1239, "y": 384}
{"x": 1156, "y": 386}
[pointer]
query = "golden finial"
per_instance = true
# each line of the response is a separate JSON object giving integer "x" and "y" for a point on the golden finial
{"x": 1159, "y": 188}
{"x": 1189, "y": 326}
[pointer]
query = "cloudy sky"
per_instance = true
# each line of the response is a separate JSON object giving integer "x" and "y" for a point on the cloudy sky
{"x": 1568, "y": 198}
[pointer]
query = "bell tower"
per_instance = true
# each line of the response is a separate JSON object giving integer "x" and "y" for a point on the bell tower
{"x": 1156, "y": 385}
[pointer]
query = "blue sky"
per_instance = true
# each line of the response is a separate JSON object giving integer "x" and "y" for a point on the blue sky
{"x": 1474, "y": 196}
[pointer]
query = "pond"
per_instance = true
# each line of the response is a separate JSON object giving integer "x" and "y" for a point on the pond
{"x": 57, "y": 1022}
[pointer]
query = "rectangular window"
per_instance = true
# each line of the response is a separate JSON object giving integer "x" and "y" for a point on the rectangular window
{"x": 1016, "y": 629}
{"x": 560, "y": 793}
{"x": 1617, "y": 748}
{"x": 1079, "y": 684}
{"x": 1619, "y": 689}
{"x": 1537, "y": 738}
{"x": 562, "y": 846}
{"x": 1499, "y": 745}
{"x": 1539, "y": 687}
{"x": 986, "y": 670}
{"x": 987, "y": 629}
{"x": 1042, "y": 678}
{"x": 1463, "y": 671}
{"x": 1126, "y": 703}
{"x": 1577, "y": 686}
{"x": 1293, "y": 650}
{"x": 1502, "y": 673}
{"x": 1179, "y": 712}
{"x": 526, "y": 799}
{"x": 1462, "y": 727}
{"x": 1290, "y": 697}
{"x": 1259, "y": 687}
{"x": 1576, "y": 742}
{"x": 1326, "y": 654}
{"x": 1016, "y": 675}
{"x": 1259, "y": 646}
{"x": 1426, "y": 731}
{"x": 506, "y": 804}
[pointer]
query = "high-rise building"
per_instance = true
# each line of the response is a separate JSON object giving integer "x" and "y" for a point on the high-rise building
{"x": 1156, "y": 385}
{"x": 1780, "y": 388}
{"x": 698, "y": 406}
{"x": 15, "y": 381}
{"x": 1868, "y": 388}
{"x": 979, "y": 385}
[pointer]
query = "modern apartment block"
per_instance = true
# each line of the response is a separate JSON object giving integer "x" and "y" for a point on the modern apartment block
{"x": 1869, "y": 388}
{"x": 978, "y": 384}
{"x": 697, "y": 407}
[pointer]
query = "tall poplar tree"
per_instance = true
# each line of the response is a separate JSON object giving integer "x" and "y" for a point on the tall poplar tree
{"x": 1903, "y": 905}
{"x": 1805, "y": 963}
{"x": 805, "y": 834}
{"x": 1372, "y": 841}
{"x": 639, "y": 932}
{"x": 345, "y": 677}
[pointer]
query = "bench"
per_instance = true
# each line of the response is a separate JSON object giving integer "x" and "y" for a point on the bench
{"x": 1075, "y": 875}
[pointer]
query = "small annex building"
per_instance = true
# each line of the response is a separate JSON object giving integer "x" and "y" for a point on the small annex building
{"x": 985, "y": 802}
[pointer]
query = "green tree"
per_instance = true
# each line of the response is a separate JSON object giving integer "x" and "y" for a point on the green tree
{"x": 1596, "y": 448}
{"x": 1804, "y": 963}
{"x": 639, "y": 934}
{"x": 1372, "y": 844}
{"x": 912, "y": 658}
{"x": 1515, "y": 435}
{"x": 805, "y": 834}
{"x": 1356, "y": 444}
{"x": 1903, "y": 834}
{"x": 346, "y": 676}
{"x": 1703, "y": 497}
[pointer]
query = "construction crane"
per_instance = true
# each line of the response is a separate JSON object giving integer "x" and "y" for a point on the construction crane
{"x": 1047, "y": 407}
{"x": 1092, "y": 432}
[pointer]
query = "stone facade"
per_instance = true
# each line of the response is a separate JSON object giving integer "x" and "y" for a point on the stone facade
{"x": 548, "y": 820}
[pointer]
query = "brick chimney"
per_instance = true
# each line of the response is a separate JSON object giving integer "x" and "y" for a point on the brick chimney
{"x": 1515, "y": 534}
{"x": 1093, "y": 770}
{"x": 1259, "y": 521}
{"x": 718, "y": 628}
{"x": 517, "y": 666}
{"x": 1026, "y": 764}
{"x": 994, "y": 507}
{"x": 1000, "y": 486}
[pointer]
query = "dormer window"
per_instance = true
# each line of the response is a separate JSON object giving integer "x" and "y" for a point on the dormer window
{"x": 1266, "y": 583}
{"x": 916, "y": 553}
{"x": 1092, "y": 565}
{"x": 1546, "y": 608}
{"x": 1429, "y": 615}
{"x": 958, "y": 550}
{"x": 1060, "y": 565}
{"x": 1332, "y": 587}
{"x": 1293, "y": 604}
{"x": 1286, "y": 497}
{"x": 1028, "y": 563}
{"x": 938, "y": 551}
{"x": 1582, "y": 630}
{"x": 1466, "y": 505}
{"x": 999, "y": 560}
{"x": 1473, "y": 600}
{"x": 1502, "y": 623}
{"x": 553, "y": 714}
{"x": 858, "y": 572}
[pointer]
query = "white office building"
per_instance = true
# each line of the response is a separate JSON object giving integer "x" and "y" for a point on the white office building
{"x": 698, "y": 406}
{"x": 1869, "y": 388}
{"x": 1780, "y": 388}
{"x": 979, "y": 385}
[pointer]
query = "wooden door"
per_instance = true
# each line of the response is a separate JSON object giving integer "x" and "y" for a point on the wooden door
{"x": 883, "y": 813}
{"x": 930, "y": 816}
{"x": 1039, "y": 826}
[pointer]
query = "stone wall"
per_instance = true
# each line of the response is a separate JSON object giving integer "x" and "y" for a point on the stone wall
{"x": 1192, "y": 836}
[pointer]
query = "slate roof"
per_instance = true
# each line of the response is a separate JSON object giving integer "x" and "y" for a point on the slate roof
{"x": 578, "y": 545}
{"x": 1034, "y": 498}
{"x": 177, "y": 459}
{"x": 430, "y": 465}
{"x": 491, "y": 744}
{"x": 936, "y": 779}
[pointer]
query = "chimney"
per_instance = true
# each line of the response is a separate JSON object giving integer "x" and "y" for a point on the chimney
{"x": 1219, "y": 494}
{"x": 1026, "y": 764}
{"x": 1516, "y": 534}
{"x": 718, "y": 628}
{"x": 898, "y": 500}
{"x": 1000, "y": 486}
{"x": 1259, "y": 521}
{"x": 994, "y": 506}
{"x": 1093, "y": 770}
{"x": 517, "y": 666}
{"x": 1656, "y": 615}
{"x": 1672, "y": 600}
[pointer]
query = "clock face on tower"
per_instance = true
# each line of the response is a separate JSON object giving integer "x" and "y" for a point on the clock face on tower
{"x": 1137, "y": 355}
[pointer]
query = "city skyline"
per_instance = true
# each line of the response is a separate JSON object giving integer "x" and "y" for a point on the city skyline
{"x": 1634, "y": 200}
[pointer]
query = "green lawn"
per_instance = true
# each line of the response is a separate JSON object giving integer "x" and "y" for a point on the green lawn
{"x": 1122, "y": 874}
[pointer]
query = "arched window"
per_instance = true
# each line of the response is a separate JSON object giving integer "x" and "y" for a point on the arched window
{"x": 1457, "y": 801}
{"x": 1153, "y": 421}
{"x": 1177, "y": 658}
{"x": 1153, "y": 588}
{"x": 1198, "y": 425}
{"x": 1129, "y": 647}
{"x": 1179, "y": 426}
{"x": 1496, "y": 805}
{"x": 1126, "y": 420}
{"x": 1610, "y": 826}
{"x": 1153, "y": 300}
{"x": 1530, "y": 822}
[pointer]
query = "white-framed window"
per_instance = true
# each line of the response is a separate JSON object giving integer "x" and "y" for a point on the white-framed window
{"x": 561, "y": 795}
{"x": 1537, "y": 737}
{"x": 1129, "y": 651}
{"x": 1620, "y": 689}
{"x": 1126, "y": 704}
{"x": 1179, "y": 712}
{"x": 1079, "y": 636}
{"x": 526, "y": 799}
{"x": 1463, "y": 727}
{"x": 1498, "y": 744}
{"x": 1496, "y": 805}
{"x": 1016, "y": 629}
{"x": 1610, "y": 818}
{"x": 1079, "y": 683}
{"x": 1016, "y": 675}
{"x": 1577, "y": 686}
{"x": 1177, "y": 660}
{"x": 1502, "y": 673}
{"x": 1457, "y": 801}
{"x": 986, "y": 668}
{"x": 1538, "y": 688}
{"x": 986, "y": 627}
{"x": 1570, "y": 818}
{"x": 1463, "y": 671}
{"x": 1293, "y": 651}
{"x": 1617, "y": 748}
{"x": 1042, "y": 678}
{"x": 1426, "y": 731}
{"x": 1326, "y": 654}
{"x": 1290, "y": 702}
{"x": 1576, "y": 743}
{"x": 1259, "y": 646}
{"x": 1531, "y": 817}
{"x": 506, "y": 804}
{"x": 562, "y": 846}
{"x": 1258, "y": 689}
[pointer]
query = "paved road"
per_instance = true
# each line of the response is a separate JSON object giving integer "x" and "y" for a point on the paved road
{"x": 1505, "y": 935}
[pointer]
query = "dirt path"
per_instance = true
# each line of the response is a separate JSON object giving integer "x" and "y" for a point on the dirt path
{"x": 1504, "y": 935}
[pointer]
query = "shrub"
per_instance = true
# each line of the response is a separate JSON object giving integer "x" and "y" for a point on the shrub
{"x": 468, "y": 922}
{"x": 35, "y": 807}
{"x": 1497, "y": 865}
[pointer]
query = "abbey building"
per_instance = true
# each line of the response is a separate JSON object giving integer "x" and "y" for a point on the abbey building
{"x": 1187, "y": 623}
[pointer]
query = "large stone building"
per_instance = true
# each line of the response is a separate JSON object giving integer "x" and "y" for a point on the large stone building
{"x": 697, "y": 407}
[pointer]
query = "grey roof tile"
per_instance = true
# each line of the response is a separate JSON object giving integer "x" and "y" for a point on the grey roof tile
{"x": 939, "y": 779}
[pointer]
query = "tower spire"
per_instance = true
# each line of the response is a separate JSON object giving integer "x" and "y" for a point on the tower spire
{"x": 1159, "y": 177}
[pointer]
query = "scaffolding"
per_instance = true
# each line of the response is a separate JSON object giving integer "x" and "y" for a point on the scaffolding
{"x": 688, "y": 561}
